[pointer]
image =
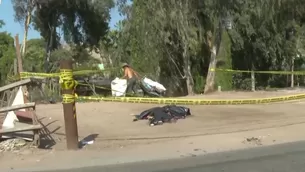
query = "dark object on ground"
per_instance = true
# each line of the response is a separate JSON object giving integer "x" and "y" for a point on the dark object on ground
{"x": 160, "y": 115}
{"x": 52, "y": 101}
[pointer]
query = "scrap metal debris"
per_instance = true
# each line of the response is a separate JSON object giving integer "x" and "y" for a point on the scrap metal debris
{"x": 12, "y": 145}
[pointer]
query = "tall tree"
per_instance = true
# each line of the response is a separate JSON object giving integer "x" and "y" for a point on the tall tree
{"x": 23, "y": 14}
{"x": 83, "y": 22}
{"x": 34, "y": 57}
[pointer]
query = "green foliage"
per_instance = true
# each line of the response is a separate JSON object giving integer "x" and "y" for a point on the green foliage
{"x": 164, "y": 37}
{"x": 265, "y": 37}
{"x": 82, "y": 21}
{"x": 7, "y": 55}
{"x": 224, "y": 59}
{"x": 1, "y": 23}
{"x": 34, "y": 56}
{"x": 199, "y": 82}
{"x": 171, "y": 40}
{"x": 21, "y": 8}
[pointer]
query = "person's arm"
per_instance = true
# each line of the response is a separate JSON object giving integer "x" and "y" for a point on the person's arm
{"x": 125, "y": 74}
{"x": 136, "y": 74}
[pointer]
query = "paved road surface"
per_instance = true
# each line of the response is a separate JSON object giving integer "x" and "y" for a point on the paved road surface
{"x": 279, "y": 158}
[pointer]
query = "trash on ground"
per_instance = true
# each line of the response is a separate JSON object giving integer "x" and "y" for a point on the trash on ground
{"x": 12, "y": 145}
{"x": 253, "y": 140}
{"x": 84, "y": 142}
{"x": 149, "y": 87}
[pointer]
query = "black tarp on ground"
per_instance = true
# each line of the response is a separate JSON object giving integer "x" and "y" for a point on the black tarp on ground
{"x": 159, "y": 115}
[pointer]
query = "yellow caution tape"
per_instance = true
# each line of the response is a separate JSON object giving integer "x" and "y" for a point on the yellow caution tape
{"x": 66, "y": 79}
{"x": 261, "y": 72}
{"x": 194, "y": 101}
{"x": 24, "y": 75}
{"x": 67, "y": 83}
{"x": 69, "y": 98}
{"x": 74, "y": 110}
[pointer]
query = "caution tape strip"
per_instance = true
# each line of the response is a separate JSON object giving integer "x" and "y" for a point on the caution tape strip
{"x": 261, "y": 72}
{"x": 24, "y": 75}
{"x": 194, "y": 101}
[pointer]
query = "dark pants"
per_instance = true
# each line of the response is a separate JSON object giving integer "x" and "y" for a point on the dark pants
{"x": 131, "y": 85}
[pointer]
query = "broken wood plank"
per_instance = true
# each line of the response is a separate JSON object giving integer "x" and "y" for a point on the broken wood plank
{"x": 27, "y": 135}
{"x": 20, "y": 129}
{"x": 15, "y": 84}
{"x": 17, "y": 107}
{"x": 24, "y": 114}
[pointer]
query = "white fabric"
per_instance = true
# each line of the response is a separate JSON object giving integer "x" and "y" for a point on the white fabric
{"x": 11, "y": 118}
{"x": 118, "y": 87}
{"x": 152, "y": 83}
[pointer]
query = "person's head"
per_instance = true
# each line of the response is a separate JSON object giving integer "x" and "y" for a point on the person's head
{"x": 125, "y": 65}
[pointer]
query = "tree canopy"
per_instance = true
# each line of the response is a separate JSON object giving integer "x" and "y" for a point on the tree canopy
{"x": 265, "y": 35}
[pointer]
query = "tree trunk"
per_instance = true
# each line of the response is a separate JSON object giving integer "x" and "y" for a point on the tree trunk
{"x": 252, "y": 80}
{"x": 26, "y": 29}
{"x": 214, "y": 42}
{"x": 210, "y": 80}
{"x": 187, "y": 72}
{"x": 183, "y": 10}
{"x": 110, "y": 63}
{"x": 50, "y": 47}
{"x": 292, "y": 75}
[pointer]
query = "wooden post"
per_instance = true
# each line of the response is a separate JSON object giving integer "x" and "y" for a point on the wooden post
{"x": 69, "y": 109}
{"x": 15, "y": 67}
{"x": 19, "y": 58}
{"x": 20, "y": 68}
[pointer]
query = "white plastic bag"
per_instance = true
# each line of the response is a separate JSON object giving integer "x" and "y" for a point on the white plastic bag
{"x": 157, "y": 85}
{"x": 118, "y": 87}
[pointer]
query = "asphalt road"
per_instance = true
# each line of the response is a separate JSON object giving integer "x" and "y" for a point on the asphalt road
{"x": 279, "y": 158}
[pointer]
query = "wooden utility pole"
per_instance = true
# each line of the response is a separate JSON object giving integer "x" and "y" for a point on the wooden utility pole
{"x": 69, "y": 109}
{"x": 15, "y": 67}
{"x": 20, "y": 68}
{"x": 19, "y": 58}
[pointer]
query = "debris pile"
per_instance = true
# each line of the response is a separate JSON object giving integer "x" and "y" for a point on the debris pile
{"x": 12, "y": 145}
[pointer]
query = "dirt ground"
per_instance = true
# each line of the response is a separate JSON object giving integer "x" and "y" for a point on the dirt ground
{"x": 112, "y": 122}
{"x": 113, "y": 126}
